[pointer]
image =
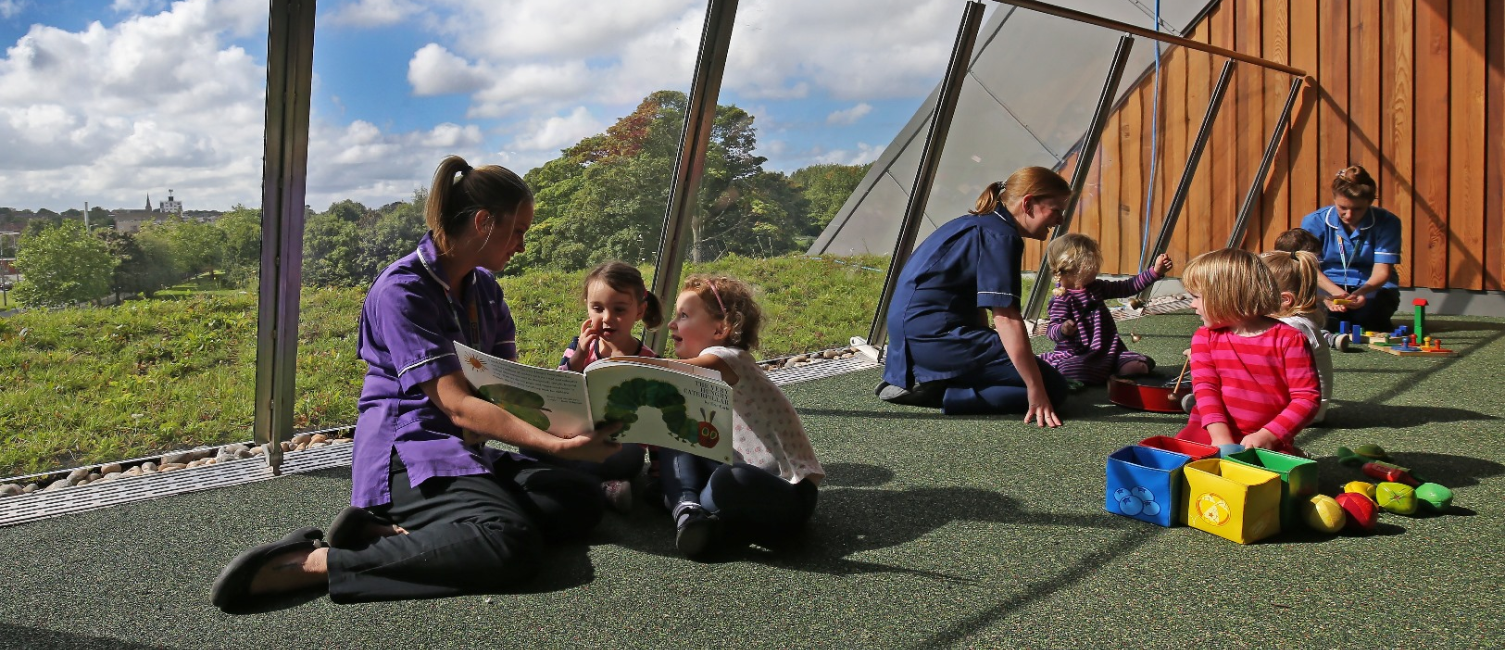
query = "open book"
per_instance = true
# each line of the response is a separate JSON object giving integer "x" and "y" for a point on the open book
{"x": 659, "y": 402}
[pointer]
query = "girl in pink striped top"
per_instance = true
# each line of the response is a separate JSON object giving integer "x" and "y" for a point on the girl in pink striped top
{"x": 1252, "y": 375}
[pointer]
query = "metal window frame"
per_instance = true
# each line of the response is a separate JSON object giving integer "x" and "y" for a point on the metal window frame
{"x": 1087, "y": 153}
{"x": 290, "y": 47}
{"x": 930, "y": 161}
{"x": 689, "y": 166}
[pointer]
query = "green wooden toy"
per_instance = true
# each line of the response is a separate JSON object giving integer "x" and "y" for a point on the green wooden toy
{"x": 1435, "y": 497}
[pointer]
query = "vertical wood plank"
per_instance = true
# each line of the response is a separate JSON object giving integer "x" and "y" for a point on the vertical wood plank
{"x": 1306, "y": 189}
{"x": 1398, "y": 119}
{"x": 1131, "y": 184}
{"x": 1225, "y": 185}
{"x": 1113, "y": 165}
{"x": 1276, "y": 206}
{"x": 1197, "y": 216}
{"x": 1466, "y": 162}
{"x": 1252, "y": 134}
{"x": 1494, "y": 155}
{"x": 1432, "y": 144}
{"x": 1332, "y": 147}
{"x": 1179, "y": 131}
{"x": 1364, "y": 84}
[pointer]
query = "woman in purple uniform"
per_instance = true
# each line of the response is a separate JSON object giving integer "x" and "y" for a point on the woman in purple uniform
{"x": 434, "y": 512}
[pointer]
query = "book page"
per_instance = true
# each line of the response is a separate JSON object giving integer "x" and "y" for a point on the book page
{"x": 552, "y": 400}
{"x": 662, "y": 407}
{"x": 670, "y": 364}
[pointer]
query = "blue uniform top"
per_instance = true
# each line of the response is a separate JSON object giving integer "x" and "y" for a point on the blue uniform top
{"x": 1348, "y": 258}
{"x": 408, "y": 327}
{"x": 934, "y": 331}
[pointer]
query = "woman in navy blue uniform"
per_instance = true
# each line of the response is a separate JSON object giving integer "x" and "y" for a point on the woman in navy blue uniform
{"x": 1360, "y": 247}
{"x": 941, "y": 351}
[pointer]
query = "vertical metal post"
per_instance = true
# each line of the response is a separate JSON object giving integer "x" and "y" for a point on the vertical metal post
{"x": 290, "y": 50}
{"x": 1178, "y": 200}
{"x": 1256, "y": 186}
{"x": 930, "y": 161}
{"x": 694, "y": 139}
{"x": 1083, "y": 168}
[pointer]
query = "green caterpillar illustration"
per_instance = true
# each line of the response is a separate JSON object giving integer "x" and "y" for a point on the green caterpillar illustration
{"x": 624, "y": 400}
{"x": 526, "y": 405}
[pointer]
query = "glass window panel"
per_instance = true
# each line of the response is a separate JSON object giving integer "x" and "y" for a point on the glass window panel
{"x": 135, "y": 169}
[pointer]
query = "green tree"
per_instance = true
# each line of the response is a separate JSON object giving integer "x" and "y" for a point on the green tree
{"x": 827, "y": 188}
{"x": 62, "y": 265}
{"x": 395, "y": 233}
{"x": 198, "y": 247}
{"x": 331, "y": 251}
{"x": 241, "y": 233}
{"x": 142, "y": 264}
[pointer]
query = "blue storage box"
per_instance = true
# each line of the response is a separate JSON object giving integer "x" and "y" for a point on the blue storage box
{"x": 1146, "y": 484}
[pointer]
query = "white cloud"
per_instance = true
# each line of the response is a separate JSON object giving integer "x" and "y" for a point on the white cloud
{"x": 558, "y": 132}
{"x": 434, "y": 70}
{"x": 374, "y": 13}
{"x": 9, "y": 8}
{"x": 137, "y": 6}
{"x": 864, "y": 154}
{"x": 360, "y": 161}
{"x": 849, "y": 116}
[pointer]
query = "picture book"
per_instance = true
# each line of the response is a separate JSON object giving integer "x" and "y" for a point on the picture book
{"x": 658, "y": 401}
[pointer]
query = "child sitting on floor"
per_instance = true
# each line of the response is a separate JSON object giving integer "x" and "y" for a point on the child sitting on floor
{"x": 1295, "y": 240}
{"x": 769, "y": 492}
{"x": 616, "y": 299}
{"x": 1300, "y": 307}
{"x": 1252, "y": 375}
{"x": 1087, "y": 345}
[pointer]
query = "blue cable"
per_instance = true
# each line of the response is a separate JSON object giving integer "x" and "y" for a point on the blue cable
{"x": 1149, "y": 192}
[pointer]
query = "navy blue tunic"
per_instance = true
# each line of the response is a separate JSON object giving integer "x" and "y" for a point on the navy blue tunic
{"x": 934, "y": 330}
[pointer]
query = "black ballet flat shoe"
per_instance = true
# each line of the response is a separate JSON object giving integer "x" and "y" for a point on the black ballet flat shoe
{"x": 348, "y": 530}
{"x": 231, "y": 591}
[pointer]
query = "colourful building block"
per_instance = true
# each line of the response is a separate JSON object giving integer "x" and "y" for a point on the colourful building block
{"x": 1145, "y": 483}
{"x": 1298, "y": 479}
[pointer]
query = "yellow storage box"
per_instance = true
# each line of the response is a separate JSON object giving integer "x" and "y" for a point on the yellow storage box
{"x": 1230, "y": 500}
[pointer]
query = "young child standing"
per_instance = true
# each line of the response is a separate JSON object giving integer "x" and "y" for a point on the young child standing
{"x": 1301, "y": 307}
{"x": 769, "y": 491}
{"x": 616, "y": 299}
{"x": 1087, "y": 345}
{"x": 1252, "y": 375}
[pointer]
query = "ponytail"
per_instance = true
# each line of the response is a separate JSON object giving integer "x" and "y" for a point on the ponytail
{"x": 459, "y": 191}
{"x": 1027, "y": 181}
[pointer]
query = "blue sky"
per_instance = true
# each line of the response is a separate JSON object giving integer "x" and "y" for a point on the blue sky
{"x": 106, "y": 101}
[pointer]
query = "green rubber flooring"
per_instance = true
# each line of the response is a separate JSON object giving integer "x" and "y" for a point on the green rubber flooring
{"x": 931, "y": 531}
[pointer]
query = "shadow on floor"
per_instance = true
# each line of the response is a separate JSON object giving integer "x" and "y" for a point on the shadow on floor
{"x": 16, "y": 636}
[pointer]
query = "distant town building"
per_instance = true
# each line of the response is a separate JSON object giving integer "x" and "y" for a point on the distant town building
{"x": 170, "y": 206}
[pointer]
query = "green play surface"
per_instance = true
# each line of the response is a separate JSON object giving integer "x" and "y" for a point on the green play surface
{"x": 931, "y": 531}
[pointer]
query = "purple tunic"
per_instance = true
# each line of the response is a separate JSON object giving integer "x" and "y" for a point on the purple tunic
{"x": 407, "y": 331}
{"x": 1095, "y": 351}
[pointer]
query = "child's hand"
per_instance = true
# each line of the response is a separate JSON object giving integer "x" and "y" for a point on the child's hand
{"x": 1262, "y": 439}
{"x": 1163, "y": 265}
{"x": 590, "y": 334}
{"x": 1068, "y": 328}
{"x": 1219, "y": 434}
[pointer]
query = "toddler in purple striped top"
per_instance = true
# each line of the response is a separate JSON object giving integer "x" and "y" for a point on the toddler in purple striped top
{"x": 1088, "y": 348}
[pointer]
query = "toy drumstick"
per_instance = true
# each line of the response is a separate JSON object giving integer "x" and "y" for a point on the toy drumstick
{"x": 1179, "y": 377}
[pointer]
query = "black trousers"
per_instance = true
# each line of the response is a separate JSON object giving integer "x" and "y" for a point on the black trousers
{"x": 467, "y": 534}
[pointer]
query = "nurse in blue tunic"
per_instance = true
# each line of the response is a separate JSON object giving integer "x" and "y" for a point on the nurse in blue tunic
{"x": 1361, "y": 244}
{"x": 941, "y": 350}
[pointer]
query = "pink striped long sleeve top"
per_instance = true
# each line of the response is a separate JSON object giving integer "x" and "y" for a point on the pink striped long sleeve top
{"x": 1266, "y": 381}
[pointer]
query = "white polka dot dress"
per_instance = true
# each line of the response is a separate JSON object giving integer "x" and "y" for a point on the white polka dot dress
{"x": 766, "y": 431}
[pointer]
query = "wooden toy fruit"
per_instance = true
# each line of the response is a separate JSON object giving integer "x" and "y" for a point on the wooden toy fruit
{"x": 1323, "y": 514}
{"x": 1389, "y": 473}
{"x": 1360, "y": 487}
{"x": 1362, "y": 515}
{"x": 1397, "y": 498}
{"x": 1372, "y": 452}
{"x": 1435, "y": 497}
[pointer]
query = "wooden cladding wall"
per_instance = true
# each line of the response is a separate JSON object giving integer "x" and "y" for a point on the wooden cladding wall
{"x": 1412, "y": 90}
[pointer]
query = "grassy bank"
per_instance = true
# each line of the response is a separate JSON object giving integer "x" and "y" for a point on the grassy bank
{"x": 88, "y": 385}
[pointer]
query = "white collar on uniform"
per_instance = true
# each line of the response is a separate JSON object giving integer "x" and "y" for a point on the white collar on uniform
{"x": 1364, "y": 224}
